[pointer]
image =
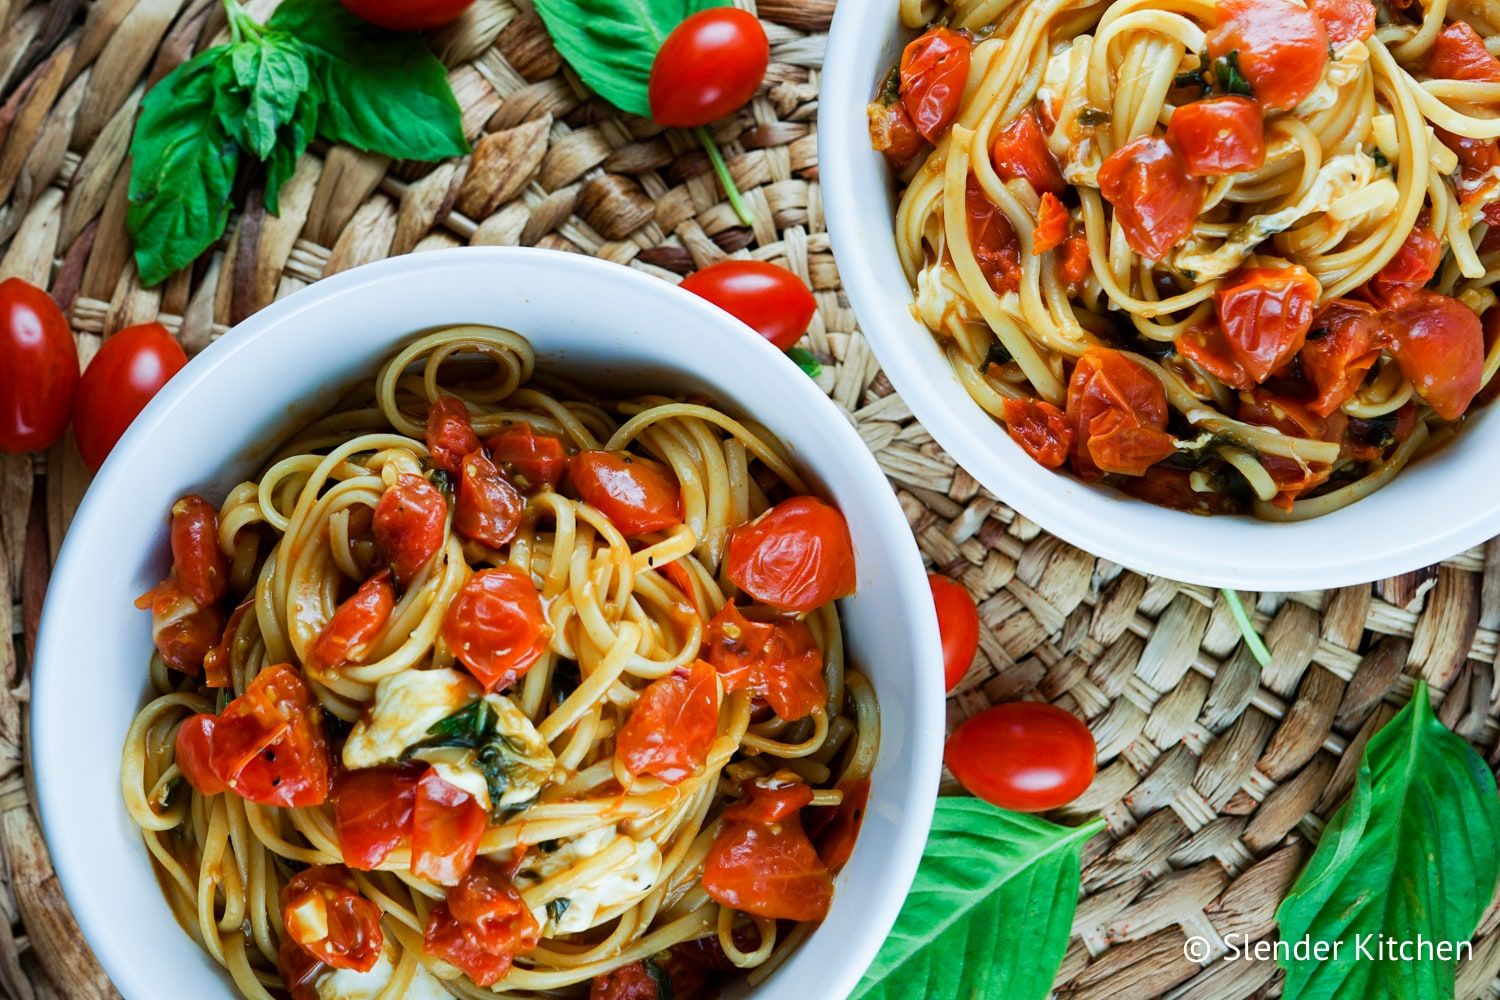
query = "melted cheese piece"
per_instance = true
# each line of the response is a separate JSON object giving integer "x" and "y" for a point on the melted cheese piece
{"x": 626, "y": 882}
{"x": 407, "y": 705}
{"x": 349, "y": 984}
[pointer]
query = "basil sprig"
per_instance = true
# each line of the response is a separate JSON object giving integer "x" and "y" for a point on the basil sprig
{"x": 1412, "y": 856}
{"x": 312, "y": 69}
{"x": 990, "y": 911}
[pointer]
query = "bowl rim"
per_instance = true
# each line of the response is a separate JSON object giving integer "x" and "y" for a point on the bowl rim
{"x": 67, "y": 847}
{"x": 857, "y": 30}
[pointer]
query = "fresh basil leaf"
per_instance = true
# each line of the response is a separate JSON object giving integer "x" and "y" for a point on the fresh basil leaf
{"x": 383, "y": 91}
{"x": 990, "y": 911}
{"x": 257, "y": 87}
{"x": 182, "y": 171}
{"x": 469, "y": 726}
{"x": 1414, "y": 853}
{"x": 291, "y": 142}
{"x": 612, "y": 43}
{"x": 1228, "y": 76}
{"x": 804, "y": 359}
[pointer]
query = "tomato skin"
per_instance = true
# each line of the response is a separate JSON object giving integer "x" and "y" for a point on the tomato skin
{"x": 709, "y": 67}
{"x": 40, "y": 362}
{"x": 1439, "y": 344}
{"x": 836, "y": 838}
{"x": 489, "y": 508}
{"x": 201, "y": 566}
{"x": 1413, "y": 265}
{"x": 1458, "y": 53}
{"x": 496, "y": 626}
{"x": 355, "y": 625}
{"x": 1075, "y": 265}
{"x": 268, "y": 744}
{"x": 1219, "y": 135}
{"x": 629, "y": 982}
{"x": 767, "y": 866}
{"x": 446, "y": 824}
{"x": 183, "y": 632}
{"x": 934, "y": 69}
{"x": 1264, "y": 316}
{"x": 409, "y": 524}
{"x": 1020, "y": 152}
{"x": 769, "y": 299}
{"x": 996, "y": 249}
{"x": 1041, "y": 429}
{"x": 958, "y": 626}
{"x": 1119, "y": 415}
{"x": 797, "y": 556}
{"x": 894, "y": 134}
{"x": 1282, "y": 48}
{"x": 299, "y": 971}
{"x": 129, "y": 369}
{"x": 671, "y": 726}
{"x": 193, "y": 742}
{"x": 373, "y": 809}
{"x": 773, "y": 659}
{"x": 352, "y": 938}
{"x": 639, "y": 495}
{"x": 1336, "y": 362}
{"x": 407, "y": 15}
{"x": 1051, "y": 225}
{"x": 1026, "y": 756}
{"x": 1154, "y": 198}
{"x": 533, "y": 460}
{"x": 450, "y": 434}
{"x": 1345, "y": 20}
{"x": 482, "y": 925}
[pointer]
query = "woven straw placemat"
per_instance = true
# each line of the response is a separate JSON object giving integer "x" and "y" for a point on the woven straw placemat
{"x": 1214, "y": 773}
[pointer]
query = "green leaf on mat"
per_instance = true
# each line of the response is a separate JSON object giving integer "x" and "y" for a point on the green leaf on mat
{"x": 805, "y": 360}
{"x": 990, "y": 911}
{"x": 258, "y": 85}
{"x": 291, "y": 143}
{"x": 1412, "y": 855}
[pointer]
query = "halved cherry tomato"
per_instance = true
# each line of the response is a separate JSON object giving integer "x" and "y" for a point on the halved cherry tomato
{"x": 40, "y": 362}
{"x": 299, "y": 971}
{"x": 1477, "y": 163}
{"x": 772, "y": 658}
{"x": 182, "y": 631}
{"x": 201, "y": 566}
{"x": 769, "y": 800}
{"x": 1344, "y": 350}
{"x": 1154, "y": 198}
{"x": 489, "y": 508}
{"x": 1075, "y": 265}
{"x": 407, "y": 15}
{"x": 1024, "y": 755}
{"x": 993, "y": 239}
{"x": 1439, "y": 344}
{"x": 1259, "y": 406}
{"x": 355, "y": 625}
{"x": 767, "y": 867}
{"x": 533, "y": 460}
{"x": 1345, "y": 20}
{"x": 446, "y": 825}
{"x": 450, "y": 434}
{"x": 129, "y": 369}
{"x": 1458, "y": 53}
{"x": 709, "y": 67}
{"x": 637, "y": 494}
{"x": 797, "y": 556}
{"x": 268, "y": 744}
{"x": 1119, "y": 415}
{"x": 958, "y": 626}
{"x": 218, "y": 661}
{"x": 193, "y": 741}
{"x": 482, "y": 925}
{"x": 1041, "y": 429}
{"x": 323, "y": 912}
{"x": 1264, "y": 314}
{"x": 1293, "y": 478}
{"x": 1219, "y": 135}
{"x": 1051, "y": 225}
{"x": 496, "y": 626}
{"x": 372, "y": 811}
{"x": 893, "y": 133}
{"x": 835, "y": 838}
{"x": 631, "y": 981}
{"x": 1412, "y": 266}
{"x": 672, "y": 725}
{"x": 408, "y": 525}
{"x": 769, "y": 299}
{"x": 934, "y": 68}
{"x": 1020, "y": 152}
{"x": 1280, "y": 47}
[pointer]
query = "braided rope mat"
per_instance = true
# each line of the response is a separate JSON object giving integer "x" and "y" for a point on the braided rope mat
{"x": 1214, "y": 773}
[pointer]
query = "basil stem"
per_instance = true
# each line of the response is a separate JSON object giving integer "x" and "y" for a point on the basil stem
{"x": 736, "y": 200}
{"x": 1247, "y": 629}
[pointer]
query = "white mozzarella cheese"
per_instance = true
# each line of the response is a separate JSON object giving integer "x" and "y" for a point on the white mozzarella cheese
{"x": 407, "y": 705}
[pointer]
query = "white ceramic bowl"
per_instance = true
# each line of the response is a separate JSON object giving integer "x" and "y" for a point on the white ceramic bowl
{"x": 215, "y": 423}
{"x": 1442, "y": 505}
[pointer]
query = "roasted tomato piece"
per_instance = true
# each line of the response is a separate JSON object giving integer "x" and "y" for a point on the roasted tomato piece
{"x": 1076, "y": 264}
{"x": 268, "y": 744}
{"x": 193, "y": 744}
{"x": 1020, "y": 152}
{"x": 372, "y": 810}
{"x": 201, "y": 566}
{"x": 1340, "y": 350}
{"x": 993, "y": 239}
{"x": 1041, "y": 429}
{"x": 450, "y": 434}
{"x": 1264, "y": 314}
{"x": 1458, "y": 53}
{"x": 934, "y": 68}
{"x": 769, "y": 800}
{"x": 408, "y": 525}
{"x": 1155, "y": 199}
{"x": 482, "y": 925}
{"x": 637, "y": 494}
{"x": 1219, "y": 135}
{"x": 1345, "y": 20}
{"x": 772, "y": 658}
{"x": 1414, "y": 264}
{"x": 672, "y": 725}
{"x": 219, "y": 660}
{"x": 323, "y": 912}
{"x": 797, "y": 556}
{"x": 534, "y": 460}
{"x": 767, "y": 868}
{"x": 496, "y": 626}
{"x": 1051, "y": 225}
{"x": 183, "y": 631}
{"x": 351, "y": 633}
{"x": 835, "y": 835}
{"x": 1118, "y": 410}
{"x": 894, "y": 134}
{"x": 1279, "y": 47}
{"x": 1439, "y": 344}
{"x": 446, "y": 825}
{"x": 489, "y": 508}
{"x": 643, "y": 980}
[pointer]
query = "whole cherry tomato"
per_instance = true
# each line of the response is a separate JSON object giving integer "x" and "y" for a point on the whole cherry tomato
{"x": 129, "y": 369}
{"x": 1280, "y": 48}
{"x": 1412, "y": 266}
{"x": 1052, "y": 223}
{"x": 482, "y": 925}
{"x": 1458, "y": 53}
{"x": 193, "y": 741}
{"x": 534, "y": 460}
{"x": 1264, "y": 314}
{"x": 1118, "y": 410}
{"x": 993, "y": 239}
{"x": 637, "y": 494}
{"x": 372, "y": 810}
{"x": 1339, "y": 352}
{"x": 201, "y": 566}
{"x": 1439, "y": 344}
{"x": 38, "y": 368}
{"x": 708, "y": 68}
{"x": 1026, "y": 756}
{"x": 797, "y": 556}
{"x": 408, "y": 525}
{"x": 934, "y": 68}
{"x": 771, "y": 657}
{"x": 958, "y": 625}
{"x": 489, "y": 508}
{"x": 496, "y": 626}
{"x": 407, "y": 15}
{"x": 1345, "y": 20}
{"x": 1020, "y": 152}
{"x": 355, "y": 625}
{"x": 1219, "y": 135}
{"x": 762, "y": 861}
{"x": 1155, "y": 199}
{"x": 769, "y": 299}
{"x": 450, "y": 434}
{"x": 446, "y": 824}
{"x": 1041, "y": 429}
{"x": 671, "y": 726}
{"x": 326, "y": 916}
